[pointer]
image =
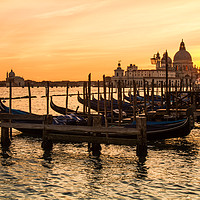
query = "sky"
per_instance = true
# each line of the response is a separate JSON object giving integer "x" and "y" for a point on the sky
{"x": 59, "y": 40}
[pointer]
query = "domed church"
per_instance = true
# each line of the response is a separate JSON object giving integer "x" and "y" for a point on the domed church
{"x": 180, "y": 70}
{"x": 16, "y": 81}
{"x": 183, "y": 64}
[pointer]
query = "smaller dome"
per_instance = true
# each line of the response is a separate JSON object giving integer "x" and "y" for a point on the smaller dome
{"x": 119, "y": 65}
{"x": 163, "y": 60}
{"x": 11, "y": 74}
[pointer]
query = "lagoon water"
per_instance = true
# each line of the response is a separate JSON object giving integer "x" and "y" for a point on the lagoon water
{"x": 171, "y": 169}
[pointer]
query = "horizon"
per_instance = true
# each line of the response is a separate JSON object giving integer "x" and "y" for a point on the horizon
{"x": 54, "y": 41}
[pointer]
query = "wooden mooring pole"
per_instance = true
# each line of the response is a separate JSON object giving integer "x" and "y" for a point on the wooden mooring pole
{"x": 29, "y": 96}
{"x": 84, "y": 97}
{"x": 161, "y": 94}
{"x": 120, "y": 102}
{"x": 152, "y": 94}
{"x": 166, "y": 83}
{"x": 134, "y": 100}
{"x": 98, "y": 103}
{"x": 105, "y": 102}
{"x": 89, "y": 101}
{"x": 176, "y": 99}
{"x": 5, "y": 137}
{"x": 47, "y": 96}
{"x": 10, "y": 104}
{"x": 141, "y": 148}
{"x": 96, "y": 147}
{"x": 112, "y": 116}
{"x": 89, "y": 123}
{"x": 144, "y": 87}
{"x": 47, "y": 144}
{"x": 147, "y": 92}
{"x": 67, "y": 96}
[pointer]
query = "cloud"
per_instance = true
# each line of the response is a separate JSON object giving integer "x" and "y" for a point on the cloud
{"x": 72, "y": 10}
{"x": 64, "y": 12}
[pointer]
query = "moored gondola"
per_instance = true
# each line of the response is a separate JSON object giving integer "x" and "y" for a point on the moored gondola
{"x": 62, "y": 110}
{"x": 94, "y": 106}
{"x": 166, "y": 129}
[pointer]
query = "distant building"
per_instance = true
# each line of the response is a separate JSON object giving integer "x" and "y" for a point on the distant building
{"x": 180, "y": 69}
{"x": 16, "y": 81}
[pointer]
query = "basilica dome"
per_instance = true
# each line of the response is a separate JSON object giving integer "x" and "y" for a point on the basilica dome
{"x": 182, "y": 54}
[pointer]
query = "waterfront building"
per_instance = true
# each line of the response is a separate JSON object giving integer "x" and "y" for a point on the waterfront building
{"x": 181, "y": 69}
{"x": 16, "y": 81}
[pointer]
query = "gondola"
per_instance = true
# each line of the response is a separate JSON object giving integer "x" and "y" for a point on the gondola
{"x": 127, "y": 109}
{"x": 126, "y": 106}
{"x": 94, "y": 106}
{"x": 141, "y": 98}
{"x": 130, "y": 98}
{"x": 5, "y": 109}
{"x": 62, "y": 110}
{"x": 166, "y": 129}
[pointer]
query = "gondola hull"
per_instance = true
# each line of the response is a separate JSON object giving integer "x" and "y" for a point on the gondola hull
{"x": 62, "y": 110}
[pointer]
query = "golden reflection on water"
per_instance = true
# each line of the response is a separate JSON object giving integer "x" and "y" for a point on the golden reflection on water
{"x": 70, "y": 171}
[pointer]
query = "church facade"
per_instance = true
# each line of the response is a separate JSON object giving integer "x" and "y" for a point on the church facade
{"x": 181, "y": 69}
{"x": 16, "y": 81}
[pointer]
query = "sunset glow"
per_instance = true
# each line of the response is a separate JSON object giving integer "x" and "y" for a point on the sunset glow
{"x": 67, "y": 40}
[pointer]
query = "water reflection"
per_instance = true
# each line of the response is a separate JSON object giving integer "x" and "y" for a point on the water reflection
{"x": 95, "y": 149}
{"x": 6, "y": 154}
{"x": 47, "y": 156}
{"x": 181, "y": 145}
{"x": 141, "y": 168}
{"x": 95, "y": 162}
{"x": 94, "y": 175}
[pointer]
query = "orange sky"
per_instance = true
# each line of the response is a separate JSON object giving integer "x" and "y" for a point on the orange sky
{"x": 67, "y": 40}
